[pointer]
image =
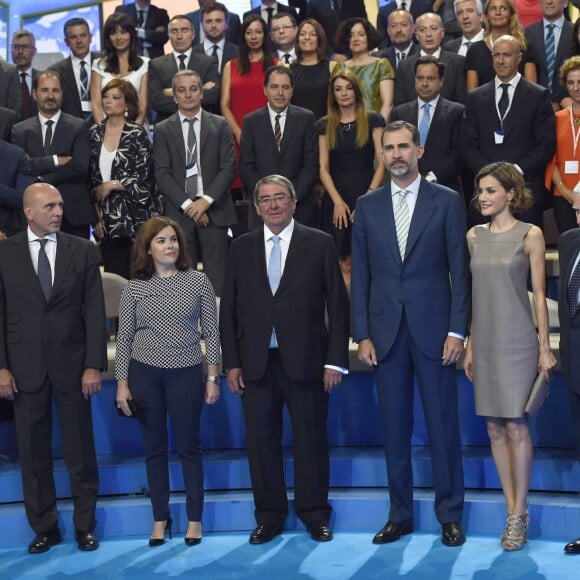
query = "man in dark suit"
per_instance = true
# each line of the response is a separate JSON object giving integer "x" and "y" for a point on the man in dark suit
{"x": 281, "y": 139}
{"x": 9, "y": 87}
{"x": 214, "y": 22}
{"x": 51, "y": 300}
{"x": 75, "y": 70}
{"x": 429, "y": 32}
{"x": 282, "y": 281}
{"x": 15, "y": 177}
{"x": 163, "y": 69}
{"x": 233, "y": 24}
{"x": 411, "y": 306}
{"x": 23, "y": 49}
{"x": 57, "y": 145}
{"x": 8, "y": 118}
{"x": 194, "y": 165}
{"x": 151, "y": 24}
{"x": 270, "y": 8}
{"x": 569, "y": 315}
{"x": 417, "y": 8}
{"x": 331, "y": 12}
{"x": 469, "y": 17}
{"x": 518, "y": 127}
{"x": 400, "y": 30}
{"x": 440, "y": 124}
{"x": 552, "y": 39}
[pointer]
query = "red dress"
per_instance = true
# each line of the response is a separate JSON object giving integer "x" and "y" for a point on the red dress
{"x": 247, "y": 95}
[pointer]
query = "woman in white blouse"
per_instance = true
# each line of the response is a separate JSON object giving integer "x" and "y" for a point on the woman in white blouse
{"x": 159, "y": 364}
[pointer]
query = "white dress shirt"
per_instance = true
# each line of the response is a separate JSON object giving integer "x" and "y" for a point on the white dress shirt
{"x": 43, "y": 127}
{"x": 187, "y": 54}
{"x": 464, "y": 47}
{"x": 76, "y": 66}
{"x": 282, "y": 119}
{"x": 208, "y": 49}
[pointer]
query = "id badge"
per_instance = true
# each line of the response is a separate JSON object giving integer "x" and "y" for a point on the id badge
{"x": 191, "y": 170}
{"x": 498, "y": 137}
{"x": 571, "y": 167}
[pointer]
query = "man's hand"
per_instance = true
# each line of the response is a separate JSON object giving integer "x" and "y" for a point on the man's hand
{"x": 331, "y": 379}
{"x": 7, "y": 385}
{"x": 366, "y": 352}
{"x": 123, "y": 395}
{"x": 235, "y": 381}
{"x": 196, "y": 210}
{"x": 91, "y": 382}
{"x": 452, "y": 350}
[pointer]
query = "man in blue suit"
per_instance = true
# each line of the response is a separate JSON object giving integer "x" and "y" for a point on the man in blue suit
{"x": 411, "y": 301}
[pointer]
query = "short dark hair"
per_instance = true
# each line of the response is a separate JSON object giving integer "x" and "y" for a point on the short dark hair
{"x": 142, "y": 266}
{"x": 180, "y": 17}
{"x": 75, "y": 22}
{"x": 47, "y": 74}
{"x": 510, "y": 179}
{"x": 211, "y": 6}
{"x": 398, "y": 125}
{"x": 280, "y": 69}
{"x": 130, "y": 94}
{"x": 280, "y": 15}
{"x": 423, "y": 60}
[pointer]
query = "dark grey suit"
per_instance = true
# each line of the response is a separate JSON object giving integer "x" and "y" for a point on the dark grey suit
{"x": 297, "y": 159}
{"x": 9, "y": 87}
{"x": 218, "y": 169}
{"x": 70, "y": 138}
{"x": 568, "y": 249}
{"x": 442, "y": 153}
{"x": 161, "y": 73}
{"x": 8, "y": 118}
{"x": 47, "y": 345}
{"x": 454, "y": 87}
{"x": 71, "y": 98}
{"x": 15, "y": 177}
{"x": 535, "y": 36}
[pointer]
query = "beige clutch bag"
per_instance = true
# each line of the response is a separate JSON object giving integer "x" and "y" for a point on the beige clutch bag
{"x": 539, "y": 393}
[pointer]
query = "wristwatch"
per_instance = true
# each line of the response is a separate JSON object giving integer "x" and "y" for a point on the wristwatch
{"x": 213, "y": 379}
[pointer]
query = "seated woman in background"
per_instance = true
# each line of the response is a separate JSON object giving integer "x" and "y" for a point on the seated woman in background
{"x": 350, "y": 158}
{"x": 562, "y": 177}
{"x": 504, "y": 352}
{"x": 120, "y": 175}
{"x": 159, "y": 364}
{"x": 376, "y": 75}
{"x": 311, "y": 69}
{"x": 120, "y": 60}
{"x": 501, "y": 18}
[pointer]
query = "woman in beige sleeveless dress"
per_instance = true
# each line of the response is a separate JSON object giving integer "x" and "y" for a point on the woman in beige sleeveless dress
{"x": 504, "y": 353}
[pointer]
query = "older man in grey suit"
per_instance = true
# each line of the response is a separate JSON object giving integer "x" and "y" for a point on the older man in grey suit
{"x": 194, "y": 165}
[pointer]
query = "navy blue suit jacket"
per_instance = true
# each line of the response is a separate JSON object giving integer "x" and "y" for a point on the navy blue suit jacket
{"x": 431, "y": 286}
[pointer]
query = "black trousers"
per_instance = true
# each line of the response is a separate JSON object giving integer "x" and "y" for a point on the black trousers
{"x": 263, "y": 403}
{"x": 179, "y": 392}
{"x": 33, "y": 416}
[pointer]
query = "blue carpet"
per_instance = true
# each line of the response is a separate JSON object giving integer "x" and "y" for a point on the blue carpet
{"x": 294, "y": 555}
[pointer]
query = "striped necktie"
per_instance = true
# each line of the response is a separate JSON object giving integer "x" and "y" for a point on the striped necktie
{"x": 402, "y": 220}
{"x": 550, "y": 55}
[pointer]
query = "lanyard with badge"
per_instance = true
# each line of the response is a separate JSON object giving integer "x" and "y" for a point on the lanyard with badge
{"x": 498, "y": 136}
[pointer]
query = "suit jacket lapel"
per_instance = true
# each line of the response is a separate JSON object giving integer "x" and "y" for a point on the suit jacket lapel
{"x": 289, "y": 128}
{"x": 385, "y": 219}
{"x": 61, "y": 262}
{"x": 296, "y": 251}
{"x": 421, "y": 215}
{"x": 205, "y": 130}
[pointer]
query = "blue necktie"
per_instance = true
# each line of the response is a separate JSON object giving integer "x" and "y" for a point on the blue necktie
{"x": 425, "y": 122}
{"x": 274, "y": 275}
{"x": 550, "y": 55}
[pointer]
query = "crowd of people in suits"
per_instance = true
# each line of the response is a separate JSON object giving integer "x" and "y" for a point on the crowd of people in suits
{"x": 297, "y": 113}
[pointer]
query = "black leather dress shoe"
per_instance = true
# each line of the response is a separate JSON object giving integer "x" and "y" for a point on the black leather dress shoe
{"x": 86, "y": 541}
{"x": 43, "y": 542}
{"x": 391, "y": 533}
{"x": 573, "y": 547}
{"x": 264, "y": 533}
{"x": 320, "y": 531}
{"x": 452, "y": 534}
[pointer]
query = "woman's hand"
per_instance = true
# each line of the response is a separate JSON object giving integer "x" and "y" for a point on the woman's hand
{"x": 341, "y": 215}
{"x": 468, "y": 361}
{"x": 104, "y": 190}
{"x": 123, "y": 395}
{"x": 212, "y": 392}
{"x": 546, "y": 362}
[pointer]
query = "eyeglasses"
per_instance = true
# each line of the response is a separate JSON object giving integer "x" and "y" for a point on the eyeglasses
{"x": 279, "y": 198}
{"x": 281, "y": 28}
{"x": 21, "y": 46}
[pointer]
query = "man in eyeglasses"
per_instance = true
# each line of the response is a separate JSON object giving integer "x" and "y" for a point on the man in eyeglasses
{"x": 283, "y": 33}
{"x": 23, "y": 49}
{"x": 281, "y": 280}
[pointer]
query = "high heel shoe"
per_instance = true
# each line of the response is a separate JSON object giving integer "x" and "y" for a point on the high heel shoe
{"x": 516, "y": 534}
{"x": 154, "y": 542}
{"x": 192, "y": 541}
